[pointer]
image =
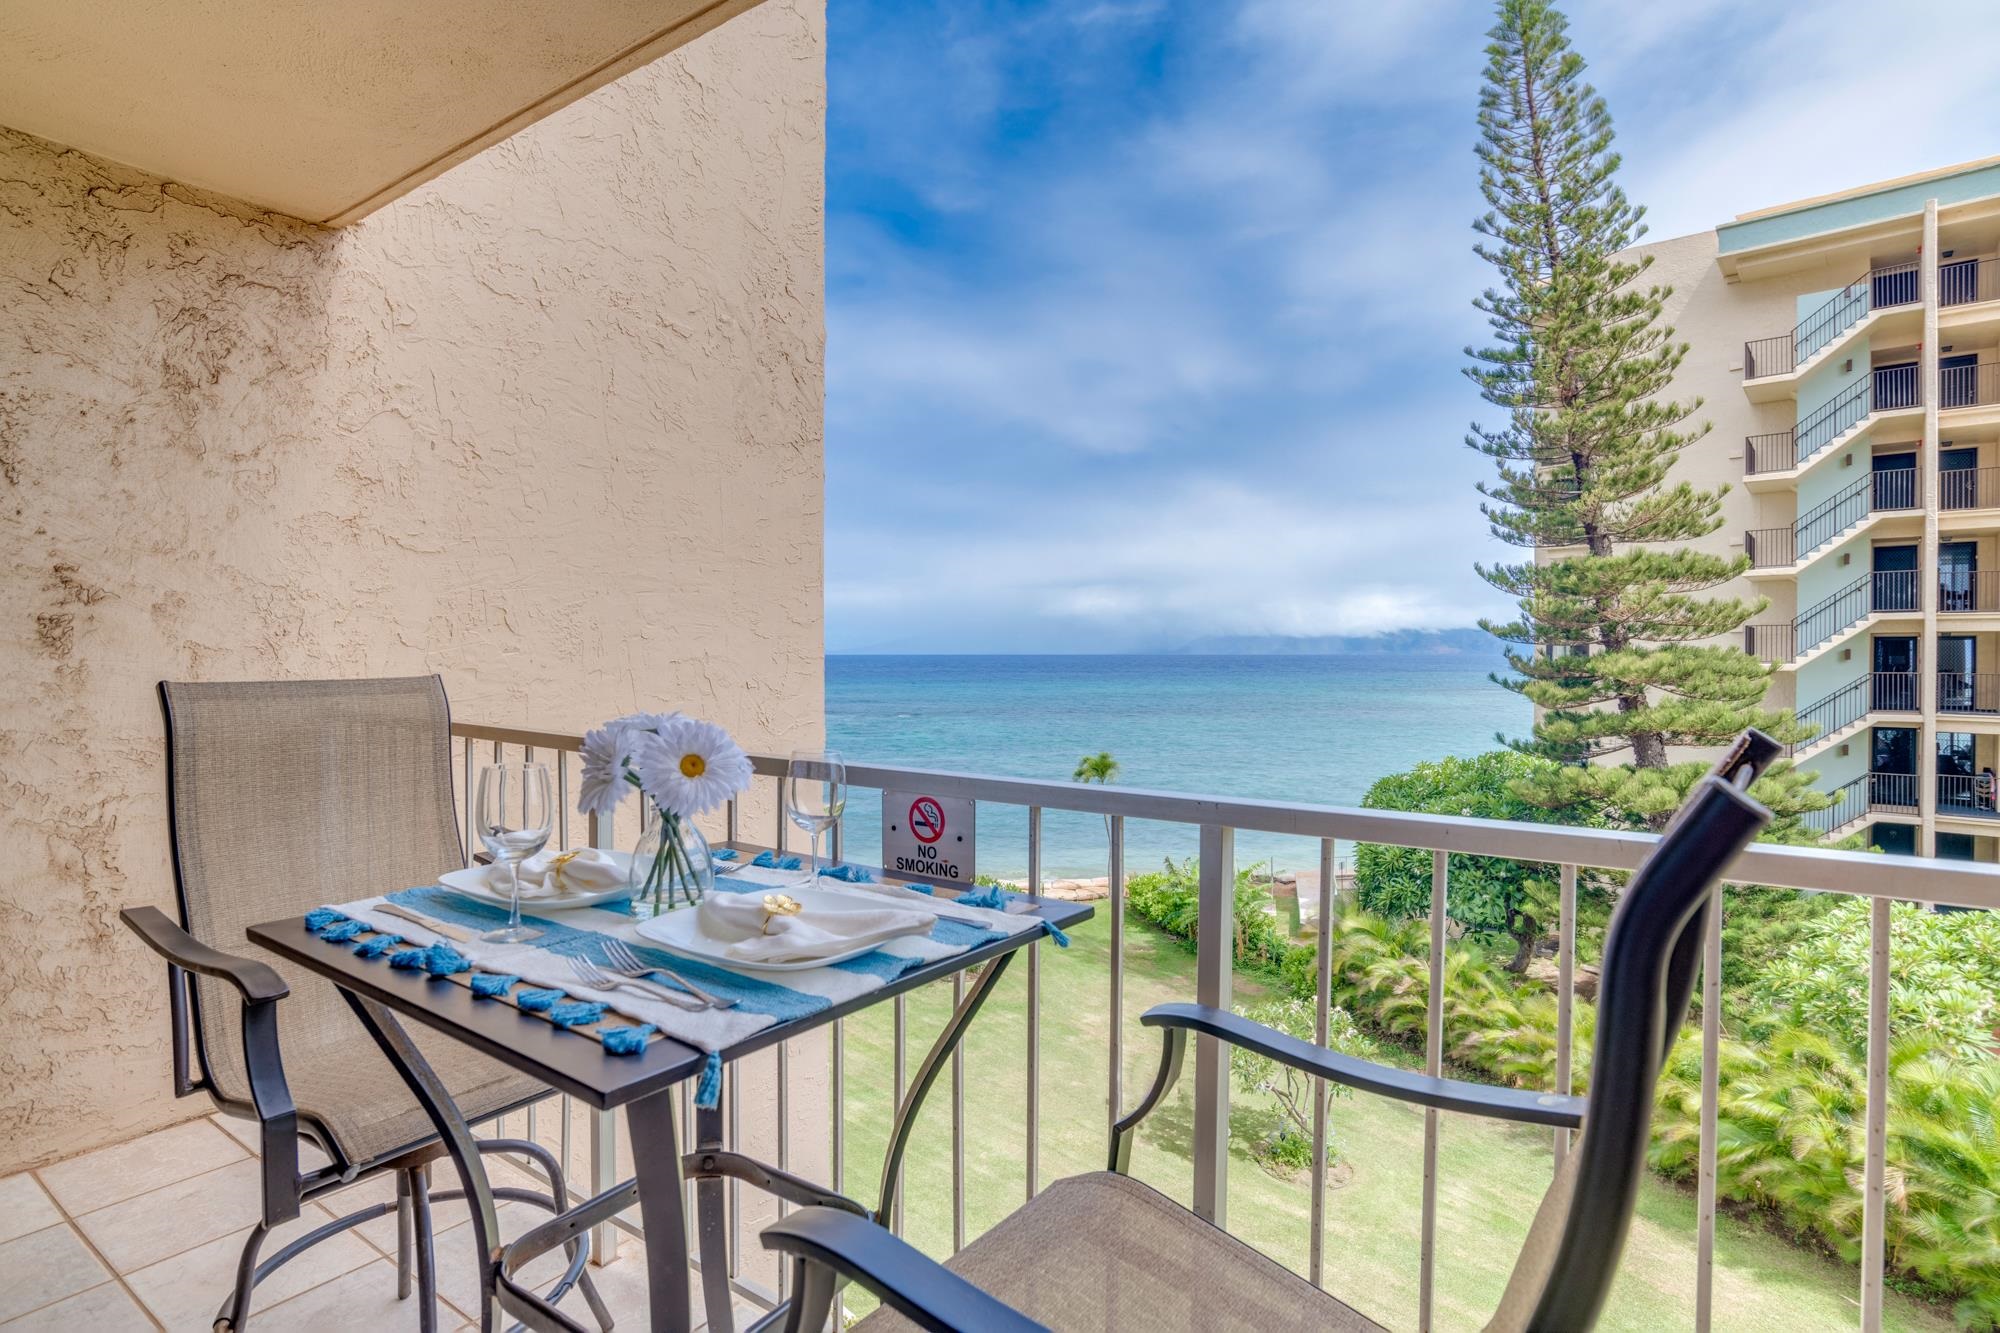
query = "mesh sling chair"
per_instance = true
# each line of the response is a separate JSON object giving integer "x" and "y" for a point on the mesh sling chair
{"x": 283, "y": 796}
{"x": 1102, "y": 1251}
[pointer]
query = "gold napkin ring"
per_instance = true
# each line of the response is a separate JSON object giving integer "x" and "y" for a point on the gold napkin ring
{"x": 556, "y": 865}
{"x": 777, "y": 905}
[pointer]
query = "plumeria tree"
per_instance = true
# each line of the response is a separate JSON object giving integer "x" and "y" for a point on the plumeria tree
{"x": 1616, "y": 639}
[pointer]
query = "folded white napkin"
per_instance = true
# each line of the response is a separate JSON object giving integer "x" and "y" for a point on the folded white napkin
{"x": 556, "y": 874}
{"x": 819, "y": 931}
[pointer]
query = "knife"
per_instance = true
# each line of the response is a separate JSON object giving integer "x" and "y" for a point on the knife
{"x": 436, "y": 927}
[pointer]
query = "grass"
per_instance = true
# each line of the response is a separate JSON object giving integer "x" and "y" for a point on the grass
{"x": 1491, "y": 1176}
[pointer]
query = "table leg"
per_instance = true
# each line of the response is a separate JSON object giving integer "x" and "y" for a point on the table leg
{"x": 435, "y": 1098}
{"x": 656, "y": 1158}
{"x": 712, "y": 1224}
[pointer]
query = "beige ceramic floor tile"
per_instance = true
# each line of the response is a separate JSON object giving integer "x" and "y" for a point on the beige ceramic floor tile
{"x": 43, "y": 1267}
{"x": 246, "y": 1134}
{"x": 102, "y": 1309}
{"x": 111, "y": 1175}
{"x": 24, "y": 1207}
{"x": 186, "y": 1290}
{"x": 177, "y": 1217}
{"x": 363, "y": 1300}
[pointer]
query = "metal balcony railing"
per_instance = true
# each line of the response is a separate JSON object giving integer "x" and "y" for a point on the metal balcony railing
{"x": 1882, "y": 591}
{"x": 1771, "y": 643}
{"x": 1892, "y": 691}
{"x": 1966, "y": 795}
{"x": 1850, "y": 802}
{"x": 1892, "y": 791}
{"x": 1969, "y": 590}
{"x": 1968, "y": 692}
{"x": 1964, "y": 281}
{"x": 1890, "y": 489}
{"x": 1877, "y": 289}
{"x": 1890, "y": 389}
{"x": 568, "y": 1126}
{"x": 1969, "y": 386}
{"x": 1880, "y": 691}
{"x": 1969, "y": 488}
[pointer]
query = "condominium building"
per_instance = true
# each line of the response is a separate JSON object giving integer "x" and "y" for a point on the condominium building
{"x": 1847, "y": 351}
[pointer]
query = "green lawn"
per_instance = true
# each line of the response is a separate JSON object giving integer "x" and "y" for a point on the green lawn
{"x": 1490, "y": 1176}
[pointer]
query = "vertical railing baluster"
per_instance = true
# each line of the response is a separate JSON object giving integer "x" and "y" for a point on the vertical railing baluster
{"x": 604, "y": 1124}
{"x": 1033, "y": 1158}
{"x": 733, "y": 1092}
{"x": 957, "y": 1124}
{"x": 1711, "y": 1079}
{"x": 1215, "y": 936}
{"x": 901, "y": 1024}
{"x": 568, "y": 1162}
{"x": 779, "y": 841}
{"x": 1873, "y": 1200}
{"x": 784, "y": 1137}
{"x": 467, "y": 794}
{"x": 730, "y": 817}
{"x": 1434, "y": 1066}
{"x": 837, "y": 1099}
{"x": 1565, "y": 997}
{"x": 1115, "y": 892}
{"x": 1322, "y": 1033}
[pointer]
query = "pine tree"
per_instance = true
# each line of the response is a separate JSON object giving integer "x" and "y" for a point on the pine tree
{"x": 1611, "y": 643}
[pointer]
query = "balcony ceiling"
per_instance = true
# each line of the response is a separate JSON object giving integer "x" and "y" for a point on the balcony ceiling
{"x": 325, "y": 111}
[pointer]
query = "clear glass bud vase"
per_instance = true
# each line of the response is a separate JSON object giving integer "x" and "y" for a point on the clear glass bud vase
{"x": 671, "y": 864}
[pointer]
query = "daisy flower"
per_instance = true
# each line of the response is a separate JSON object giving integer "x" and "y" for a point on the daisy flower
{"x": 605, "y": 753}
{"x": 691, "y": 767}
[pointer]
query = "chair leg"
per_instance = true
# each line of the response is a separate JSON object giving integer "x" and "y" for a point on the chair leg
{"x": 234, "y": 1316}
{"x": 426, "y": 1250}
{"x": 404, "y": 1229}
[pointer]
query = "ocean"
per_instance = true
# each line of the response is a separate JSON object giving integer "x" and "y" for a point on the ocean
{"x": 1296, "y": 728}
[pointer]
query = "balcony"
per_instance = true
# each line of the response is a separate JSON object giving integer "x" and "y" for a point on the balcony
{"x": 1881, "y": 288}
{"x": 1887, "y": 491}
{"x": 1969, "y": 488}
{"x": 1840, "y": 712}
{"x": 1961, "y": 387}
{"x": 1968, "y": 591}
{"x": 1077, "y": 1019}
{"x": 1890, "y": 389}
{"x": 1969, "y": 692}
{"x": 1968, "y": 281}
{"x": 1966, "y": 796}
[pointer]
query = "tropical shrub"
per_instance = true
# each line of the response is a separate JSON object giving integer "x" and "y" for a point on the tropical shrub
{"x": 1286, "y": 1137}
{"x": 1170, "y": 898}
{"x": 1516, "y": 900}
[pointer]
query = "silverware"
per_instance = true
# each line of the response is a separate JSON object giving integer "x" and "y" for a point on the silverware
{"x": 592, "y": 977}
{"x": 625, "y": 963}
{"x": 436, "y": 927}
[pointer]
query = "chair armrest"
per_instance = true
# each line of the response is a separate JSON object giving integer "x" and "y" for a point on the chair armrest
{"x": 1446, "y": 1094}
{"x": 270, "y": 1096}
{"x": 908, "y": 1280}
{"x": 257, "y": 982}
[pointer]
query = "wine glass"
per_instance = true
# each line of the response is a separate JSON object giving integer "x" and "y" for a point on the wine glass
{"x": 513, "y": 814}
{"x": 815, "y": 794}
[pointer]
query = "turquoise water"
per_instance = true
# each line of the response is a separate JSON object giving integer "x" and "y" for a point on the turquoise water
{"x": 1317, "y": 729}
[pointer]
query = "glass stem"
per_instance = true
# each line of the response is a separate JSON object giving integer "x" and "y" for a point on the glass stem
{"x": 514, "y": 894}
{"x": 817, "y": 830}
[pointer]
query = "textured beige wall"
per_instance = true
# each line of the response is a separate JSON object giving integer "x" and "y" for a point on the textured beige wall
{"x": 549, "y": 426}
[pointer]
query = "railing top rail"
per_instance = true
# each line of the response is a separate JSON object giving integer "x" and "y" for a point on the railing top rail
{"x": 1856, "y": 873}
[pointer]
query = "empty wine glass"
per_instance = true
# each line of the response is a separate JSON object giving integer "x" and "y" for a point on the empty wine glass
{"x": 513, "y": 813}
{"x": 815, "y": 794}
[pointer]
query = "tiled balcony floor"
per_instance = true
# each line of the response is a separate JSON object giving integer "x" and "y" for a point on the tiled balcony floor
{"x": 146, "y": 1235}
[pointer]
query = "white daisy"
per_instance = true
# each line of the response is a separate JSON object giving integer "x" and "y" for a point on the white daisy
{"x": 653, "y": 722}
{"x": 691, "y": 767}
{"x": 606, "y": 753}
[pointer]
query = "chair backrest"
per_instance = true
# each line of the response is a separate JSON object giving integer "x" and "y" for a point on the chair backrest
{"x": 286, "y": 795}
{"x": 1650, "y": 960}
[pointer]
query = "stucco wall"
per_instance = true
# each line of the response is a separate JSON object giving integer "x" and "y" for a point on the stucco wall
{"x": 549, "y": 426}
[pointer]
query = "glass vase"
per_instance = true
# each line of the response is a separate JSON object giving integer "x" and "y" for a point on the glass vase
{"x": 671, "y": 864}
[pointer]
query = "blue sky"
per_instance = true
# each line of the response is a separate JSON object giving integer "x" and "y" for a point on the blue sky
{"x": 1145, "y": 319}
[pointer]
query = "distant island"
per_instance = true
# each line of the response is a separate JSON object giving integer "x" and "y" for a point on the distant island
{"x": 1468, "y": 642}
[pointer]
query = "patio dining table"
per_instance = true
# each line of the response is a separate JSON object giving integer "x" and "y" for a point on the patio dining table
{"x": 645, "y": 1083}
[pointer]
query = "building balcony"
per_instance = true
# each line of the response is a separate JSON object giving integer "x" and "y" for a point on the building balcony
{"x": 1965, "y": 796}
{"x": 1786, "y": 549}
{"x": 1975, "y": 693}
{"x": 1890, "y": 389}
{"x": 1968, "y": 592}
{"x": 1968, "y": 281}
{"x": 1969, "y": 488}
{"x": 1968, "y": 386}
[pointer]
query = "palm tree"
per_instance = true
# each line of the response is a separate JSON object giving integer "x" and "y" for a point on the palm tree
{"x": 1100, "y": 768}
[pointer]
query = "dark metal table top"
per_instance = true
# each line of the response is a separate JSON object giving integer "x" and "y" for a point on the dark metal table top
{"x": 572, "y": 1063}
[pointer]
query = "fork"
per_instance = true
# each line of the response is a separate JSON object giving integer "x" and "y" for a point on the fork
{"x": 596, "y": 979}
{"x": 625, "y": 963}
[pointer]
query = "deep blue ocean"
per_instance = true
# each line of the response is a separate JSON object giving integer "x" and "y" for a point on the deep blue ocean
{"x": 1298, "y": 728}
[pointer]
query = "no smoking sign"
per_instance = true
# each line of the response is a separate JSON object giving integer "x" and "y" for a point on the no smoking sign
{"x": 929, "y": 837}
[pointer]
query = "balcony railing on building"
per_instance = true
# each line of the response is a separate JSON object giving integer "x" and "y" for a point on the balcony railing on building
{"x": 1888, "y": 490}
{"x": 1969, "y": 488}
{"x": 1880, "y": 691}
{"x": 1966, "y": 796}
{"x": 1969, "y": 590}
{"x": 1216, "y": 820}
{"x": 1878, "y": 289}
{"x": 1888, "y": 389}
{"x": 1976, "y": 385}
{"x": 1968, "y": 692}
{"x": 1887, "y": 591}
{"x": 1964, "y": 281}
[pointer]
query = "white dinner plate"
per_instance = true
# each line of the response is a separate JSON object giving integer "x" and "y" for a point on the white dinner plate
{"x": 680, "y": 932}
{"x": 472, "y": 883}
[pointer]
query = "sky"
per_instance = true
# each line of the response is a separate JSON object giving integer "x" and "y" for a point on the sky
{"x": 1145, "y": 320}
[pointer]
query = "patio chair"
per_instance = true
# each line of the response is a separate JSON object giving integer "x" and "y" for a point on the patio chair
{"x": 283, "y": 796}
{"x": 1103, "y": 1251}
